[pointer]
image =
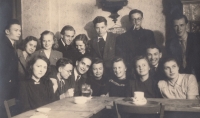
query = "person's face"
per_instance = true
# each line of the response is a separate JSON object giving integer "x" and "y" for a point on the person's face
{"x": 119, "y": 69}
{"x": 97, "y": 70}
{"x": 47, "y": 41}
{"x": 68, "y": 37}
{"x": 39, "y": 68}
{"x": 101, "y": 29}
{"x": 83, "y": 65}
{"x": 136, "y": 20}
{"x": 142, "y": 67}
{"x": 14, "y": 32}
{"x": 65, "y": 71}
{"x": 80, "y": 46}
{"x": 31, "y": 47}
{"x": 180, "y": 27}
{"x": 153, "y": 56}
{"x": 171, "y": 69}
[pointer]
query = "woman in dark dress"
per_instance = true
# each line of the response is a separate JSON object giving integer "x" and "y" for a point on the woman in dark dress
{"x": 82, "y": 47}
{"x": 37, "y": 90}
{"x": 97, "y": 80}
{"x": 30, "y": 45}
{"x": 143, "y": 81}
{"x": 119, "y": 84}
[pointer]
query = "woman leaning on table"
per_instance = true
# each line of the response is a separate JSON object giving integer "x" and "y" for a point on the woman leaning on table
{"x": 97, "y": 79}
{"x": 144, "y": 81}
{"x": 176, "y": 85}
{"x": 118, "y": 85}
{"x": 37, "y": 90}
{"x": 29, "y": 46}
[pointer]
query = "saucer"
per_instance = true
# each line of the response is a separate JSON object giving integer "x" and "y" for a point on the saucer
{"x": 43, "y": 109}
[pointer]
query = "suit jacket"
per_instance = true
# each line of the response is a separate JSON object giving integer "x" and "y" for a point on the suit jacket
{"x": 109, "y": 49}
{"x": 67, "y": 52}
{"x": 192, "y": 52}
{"x": 77, "y": 85}
{"x": 8, "y": 72}
{"x": 54, "y": 56}
{"x": 133, "y": 43}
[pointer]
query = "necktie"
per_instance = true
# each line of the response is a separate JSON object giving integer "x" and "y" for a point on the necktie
{"x": 183, "y": 46}
{"x": 78, "y": 77}
{"x": 101, "y": 44}
{"x": 61, "y": 86}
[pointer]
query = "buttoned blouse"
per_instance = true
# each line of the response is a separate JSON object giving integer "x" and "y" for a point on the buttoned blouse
{"x": 186, "y": 85}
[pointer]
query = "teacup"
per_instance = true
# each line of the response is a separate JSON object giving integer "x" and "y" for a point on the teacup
{"x": 138, "y": 95}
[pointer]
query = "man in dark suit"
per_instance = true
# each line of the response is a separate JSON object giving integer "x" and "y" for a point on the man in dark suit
{"x": 65, "y": 43}
{"x": 79, "y": 74}
{"x": 154, "y": 55}
{"x": 184, "y": 46}
{"x": 103, "y": 46}
{"x": 135, "y": 41}
{"x": 9, "y": 64}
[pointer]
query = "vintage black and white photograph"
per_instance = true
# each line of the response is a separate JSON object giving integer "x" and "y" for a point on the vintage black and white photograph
{"x": 99, "y": 58}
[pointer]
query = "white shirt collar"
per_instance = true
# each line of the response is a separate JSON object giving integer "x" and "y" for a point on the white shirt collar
{"x": 36, "y": 80}
{"x": 75, "y": 73}
{"x": 63, "y": 42}
{"x": 104, "y": 37}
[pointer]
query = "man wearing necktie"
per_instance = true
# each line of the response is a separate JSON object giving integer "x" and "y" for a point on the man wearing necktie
{"x": 79, "y": 74}
{"x": 62, "y": 88}
{"x": 185, "y": 46}
{"x": 103, "y": 46}
{"x": 9, "y": 64}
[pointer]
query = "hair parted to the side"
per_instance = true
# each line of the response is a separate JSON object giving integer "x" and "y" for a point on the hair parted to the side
{"x": 99, "y": 19}
{"x": 55, "y": 45}
{"x": 62, "y": 62}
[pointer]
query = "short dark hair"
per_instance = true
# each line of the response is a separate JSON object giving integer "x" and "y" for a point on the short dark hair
{"x": 63, "y": 62}
{"x": 117, "y": 59}
{"x": 99, "y": 19}
{"x": 139, "y": 58}
{"x": 179, "y": 16}
{"x": 11, "y": 22}
{"x": 135, "y": 11}
{"x": 153, "y": 46}
{"x": 97, "y": 61}
{"x": 169, "y": 58}
{"x": 32, "y": 62}
{"x": 82, "y": 37}
{"x": 84, "y": 56}
{"x": 67, "y": 27}
{"x": 30, "y": 38}
{"x": 55, "y": 45}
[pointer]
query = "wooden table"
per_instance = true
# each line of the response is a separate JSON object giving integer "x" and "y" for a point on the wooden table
{"x": 67, "y": 108}
{"x": 171, "y": 104}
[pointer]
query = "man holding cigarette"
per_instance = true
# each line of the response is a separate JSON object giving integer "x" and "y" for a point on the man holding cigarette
{"x": 135, "y": 41}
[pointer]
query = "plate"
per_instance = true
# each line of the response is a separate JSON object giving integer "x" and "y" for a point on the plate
{"x": 148, "y": 104}
{"x": 39, "y": 116}
{"x": 43, "y": 109}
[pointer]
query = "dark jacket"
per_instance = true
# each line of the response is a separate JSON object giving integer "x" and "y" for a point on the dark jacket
{"x": 133, "y": 43}
{"x": 109, "y": 49}
{"x": 68, "y": 51}
{"x": 192, "y": 54}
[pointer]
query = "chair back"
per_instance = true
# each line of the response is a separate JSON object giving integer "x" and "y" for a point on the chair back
{"x": 154, "y": 109}
{"x": 7, "y": 104}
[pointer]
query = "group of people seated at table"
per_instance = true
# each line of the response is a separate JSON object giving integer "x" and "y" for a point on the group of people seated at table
{"x": 115, "y": 66}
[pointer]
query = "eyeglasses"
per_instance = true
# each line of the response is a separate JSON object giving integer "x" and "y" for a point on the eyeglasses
{"x": 69, "y": 71}
{"x": 136, "y": 19}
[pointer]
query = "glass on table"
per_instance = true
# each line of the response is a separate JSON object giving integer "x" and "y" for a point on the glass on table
{"x": 86, "y": 90}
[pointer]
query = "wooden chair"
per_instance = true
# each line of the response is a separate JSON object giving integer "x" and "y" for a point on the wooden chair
{"x": 7, "y": 104}
{"x": 155, "y": 109}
